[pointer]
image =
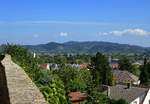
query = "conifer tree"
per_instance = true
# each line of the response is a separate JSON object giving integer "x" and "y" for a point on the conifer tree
{"x": 144, "y": 76}
{"x": 103, "y": 68}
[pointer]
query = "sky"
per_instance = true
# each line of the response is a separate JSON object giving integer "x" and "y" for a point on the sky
{"x": 42, "y": 21}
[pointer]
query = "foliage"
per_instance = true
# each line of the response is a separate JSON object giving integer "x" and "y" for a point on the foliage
{"x": 134, "y": 69}
{"x": 102, "y": 70}
{"x": 54, "y": 92}
{"x": 145, "y": 73}
{"x": 124, "y": 64}
{"x": 83, "y": 80}
{"x": 75, "y": 80}
{"x": 121, "y": 101}
{"x": 50, "y": 85}
{"x": 64, "y": 58}
{"x": 98, "y": 98}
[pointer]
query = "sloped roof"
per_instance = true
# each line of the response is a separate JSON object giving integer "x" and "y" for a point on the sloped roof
{"x": 124, "y": 76}
{"x": 77, "y": 96}
{"x": 44, "y": 65}
{"x": 129, "y": 94}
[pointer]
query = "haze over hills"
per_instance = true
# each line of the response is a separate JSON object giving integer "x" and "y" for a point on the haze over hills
{"x": 86, "y": 47}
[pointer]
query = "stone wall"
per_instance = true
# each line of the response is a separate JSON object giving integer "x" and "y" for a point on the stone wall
{"x": 4, "y": 94}
{"x": 15, "y": 85}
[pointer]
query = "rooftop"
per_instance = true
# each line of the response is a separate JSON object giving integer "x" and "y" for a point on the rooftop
{"x": 129, "y": 94}
{"x": 120, "y": 75}
{"x": 77, "y": 96}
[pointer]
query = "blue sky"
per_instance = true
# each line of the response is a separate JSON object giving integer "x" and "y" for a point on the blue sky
{"x": 42, "y": 21}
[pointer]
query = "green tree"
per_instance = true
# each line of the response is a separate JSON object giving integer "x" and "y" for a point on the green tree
{"x": 124, "y": 64}
{"x": 145, "y": 73}
{"x": 134, "y": 69}
{"x": 83, "y": 80}
{"x": 68, "y": 75}
{"x": 104, "y": 70}
{"x": 53, "y": 92}
{"x": 121, "y": 101}
{"x": 75, "y": 80}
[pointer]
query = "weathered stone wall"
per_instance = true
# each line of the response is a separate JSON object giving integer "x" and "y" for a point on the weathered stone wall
{"x": 4, "y": 95}
{"x": 17, "y": 86}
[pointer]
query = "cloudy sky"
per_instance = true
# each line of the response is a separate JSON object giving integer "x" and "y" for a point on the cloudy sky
{"x": 42, "y": 21}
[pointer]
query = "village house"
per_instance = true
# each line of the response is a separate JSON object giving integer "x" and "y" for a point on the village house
{"x": 50, "y": 66}
{"x": 132, "y": 94}
{"x": 113, "y": 63}
{"x": 78, "y": 66}
{"x": 45, "y": 65}
{"x": 125, "y": 77}
{"x": 115, "y": 66}
{"x": 138, "y": 63}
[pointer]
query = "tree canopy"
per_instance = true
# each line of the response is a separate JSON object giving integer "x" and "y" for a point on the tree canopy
{"x": 145, "y": 73}
{"x": 102, "y": 73}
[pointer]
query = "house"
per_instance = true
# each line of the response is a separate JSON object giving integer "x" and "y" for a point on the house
{"x": 50, "y": 66}
{"x": 114, "y": 63}
{"x": 132, "y": 94}
{"x": 45, "y": 65}
{"x": 115, "y": 66}
{"x": 125, "y": 77}
{"x": 77, "y": 97}
{"x": 137, "y": 63}
{"x": 54, "y": 66}
{"x": 78, "y": 66}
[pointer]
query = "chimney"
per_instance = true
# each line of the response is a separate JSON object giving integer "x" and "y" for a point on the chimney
{"x": 128, "y": 85}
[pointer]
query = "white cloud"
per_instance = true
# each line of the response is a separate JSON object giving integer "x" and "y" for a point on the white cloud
{"x": 35, "y": 35}
{"x": 64, "y": 34}
{"x": 67, "y": 22}
{"x": 137, "y": 31}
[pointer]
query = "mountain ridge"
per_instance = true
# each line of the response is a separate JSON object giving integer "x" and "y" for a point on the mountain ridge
{"x": 86, "y": 47}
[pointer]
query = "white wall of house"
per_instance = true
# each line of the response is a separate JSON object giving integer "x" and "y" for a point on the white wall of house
{"x": 138, "y": 100}
{"x": 136, "y": 82}
{"x": 48, "y": 66}
{"x": 147, "y": 98}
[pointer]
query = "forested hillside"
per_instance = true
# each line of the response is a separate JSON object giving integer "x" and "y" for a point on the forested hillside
{"x": 86, "y": 47}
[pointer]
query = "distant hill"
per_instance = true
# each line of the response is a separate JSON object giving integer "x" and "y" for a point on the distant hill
{"x": 86, "y": 47}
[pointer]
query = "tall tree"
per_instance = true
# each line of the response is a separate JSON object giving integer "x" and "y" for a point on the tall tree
{"x": 124, "y": 64}
{"x": 103, "y": 68}
{"x": 145, "y": 73}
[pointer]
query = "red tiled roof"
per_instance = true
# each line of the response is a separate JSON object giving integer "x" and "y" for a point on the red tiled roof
{"x": 44, "y": 65}
{"x": 77, "y": 96}
{"x": 82, "y": 66}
